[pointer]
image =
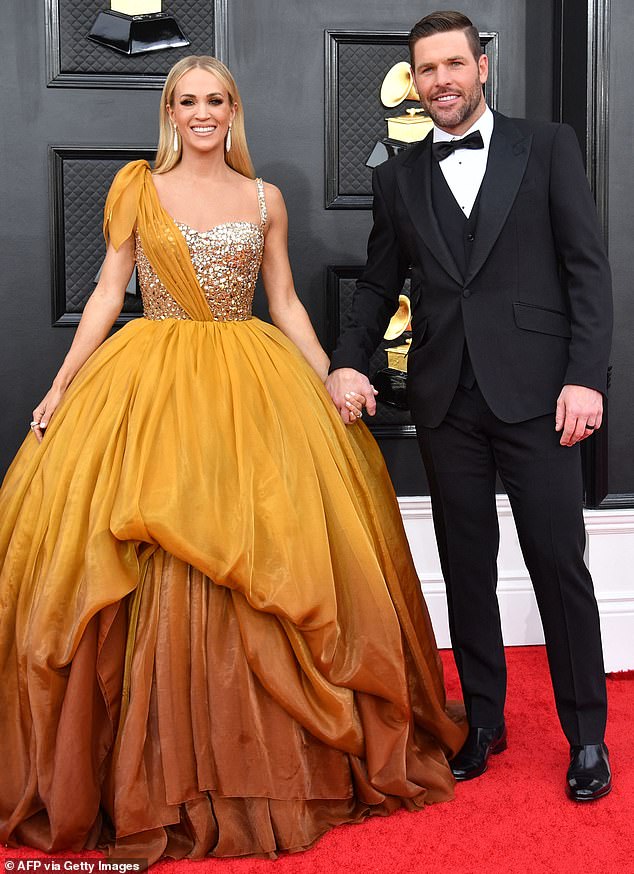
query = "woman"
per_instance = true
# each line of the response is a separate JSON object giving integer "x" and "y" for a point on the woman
{"x": 212, "y": 639}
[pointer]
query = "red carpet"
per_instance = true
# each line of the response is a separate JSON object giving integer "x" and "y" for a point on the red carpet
{"x": 513, "y": 820}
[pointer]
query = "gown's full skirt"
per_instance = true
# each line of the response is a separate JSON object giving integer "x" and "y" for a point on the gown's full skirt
{"x": 212, "y": 637}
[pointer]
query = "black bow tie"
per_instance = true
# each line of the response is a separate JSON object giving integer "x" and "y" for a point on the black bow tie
{"x": 444, "y": 148}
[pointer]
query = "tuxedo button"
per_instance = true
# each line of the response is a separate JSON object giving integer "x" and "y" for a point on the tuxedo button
{"x": 471, "y": 237}
{"x": 466, "y": 292}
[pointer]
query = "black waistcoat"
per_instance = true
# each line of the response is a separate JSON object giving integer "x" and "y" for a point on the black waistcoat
{"x": 459, "y": 233}
{"x": 458, "y": 230}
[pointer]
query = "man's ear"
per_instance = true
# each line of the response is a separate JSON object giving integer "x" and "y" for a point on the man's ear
{"x": 483, "y": 68}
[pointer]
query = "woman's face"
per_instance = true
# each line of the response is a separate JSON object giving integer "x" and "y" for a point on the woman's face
{"x": 201, "y": 111}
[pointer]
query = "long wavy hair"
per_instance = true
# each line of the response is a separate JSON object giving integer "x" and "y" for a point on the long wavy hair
{"x": 238, "y": 157}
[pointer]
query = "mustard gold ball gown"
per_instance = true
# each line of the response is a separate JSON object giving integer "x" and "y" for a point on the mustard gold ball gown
{"x": 212, "y": 635}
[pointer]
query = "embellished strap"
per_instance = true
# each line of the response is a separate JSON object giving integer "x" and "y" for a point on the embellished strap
{"x": 261, "y": 201}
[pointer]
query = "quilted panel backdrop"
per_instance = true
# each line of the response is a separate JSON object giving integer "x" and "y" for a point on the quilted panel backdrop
{"x": 80, "y": 181}
{"x": 78, "y": 54}
{"x": 361, "y": 71}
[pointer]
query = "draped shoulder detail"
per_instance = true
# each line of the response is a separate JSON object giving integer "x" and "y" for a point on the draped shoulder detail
{"x": 133, "y": 200}
{"x": 122, "y": 203}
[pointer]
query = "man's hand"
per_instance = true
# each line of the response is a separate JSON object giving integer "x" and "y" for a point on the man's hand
{"x": 342, "y": 385}
{"x": 579, "y": 413}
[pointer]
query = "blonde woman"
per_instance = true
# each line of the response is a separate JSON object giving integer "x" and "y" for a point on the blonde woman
{"x": 212, "y": 637}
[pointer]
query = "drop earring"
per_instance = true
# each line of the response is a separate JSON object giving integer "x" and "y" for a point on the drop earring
{"x": 228, "y": 140}
{"x": 175, "y": 143}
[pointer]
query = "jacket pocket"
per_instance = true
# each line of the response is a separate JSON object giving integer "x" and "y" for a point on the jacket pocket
{"x": 530, "y": 317}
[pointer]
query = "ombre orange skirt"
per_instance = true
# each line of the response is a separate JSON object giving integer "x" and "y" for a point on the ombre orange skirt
{"x": 212, "y": 635}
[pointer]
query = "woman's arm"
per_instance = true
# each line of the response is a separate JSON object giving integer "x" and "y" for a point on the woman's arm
{"x": 103, "y": 307}
{"x": 287, "y": 311}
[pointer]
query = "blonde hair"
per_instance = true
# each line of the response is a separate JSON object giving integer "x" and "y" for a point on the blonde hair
{"x": 238, "y": 157}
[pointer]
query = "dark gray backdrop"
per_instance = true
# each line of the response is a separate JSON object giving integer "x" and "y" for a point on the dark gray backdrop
{"x": 276, "y": 50}
{"x": 620, "y": 212}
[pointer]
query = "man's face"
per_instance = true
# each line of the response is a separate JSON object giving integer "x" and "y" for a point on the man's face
{"x": 449, "y": 80}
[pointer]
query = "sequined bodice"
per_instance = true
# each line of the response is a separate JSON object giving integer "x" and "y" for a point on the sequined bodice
{"x": 226, "y": 260}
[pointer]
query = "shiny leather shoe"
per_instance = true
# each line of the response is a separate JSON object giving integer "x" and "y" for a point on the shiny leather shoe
{"x": 589, "y": 776}
{"x": 481, "y": 743}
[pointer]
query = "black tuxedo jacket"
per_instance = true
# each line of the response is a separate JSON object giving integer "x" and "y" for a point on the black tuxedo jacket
{"x": 535, "y": 305}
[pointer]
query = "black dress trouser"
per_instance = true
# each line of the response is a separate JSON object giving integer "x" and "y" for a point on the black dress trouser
{"x": 544, "y": 486}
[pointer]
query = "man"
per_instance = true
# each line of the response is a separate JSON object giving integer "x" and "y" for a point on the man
{"x": 508, "y": 364}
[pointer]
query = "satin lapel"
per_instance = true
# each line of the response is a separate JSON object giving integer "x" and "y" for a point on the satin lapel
{"x": 508, "y": 156}
{"x": 414, "y": 182}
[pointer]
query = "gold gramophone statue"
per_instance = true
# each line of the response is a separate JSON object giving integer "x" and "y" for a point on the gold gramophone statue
{"x": 391, "y": 381}
{"x": 133, "y": 27}
{"x": 402, "y": 130}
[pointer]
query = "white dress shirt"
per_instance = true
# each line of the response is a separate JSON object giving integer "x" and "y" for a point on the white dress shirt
{"x": 464, "y": 169}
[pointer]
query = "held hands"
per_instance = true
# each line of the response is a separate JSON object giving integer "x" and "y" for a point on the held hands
{"x": 579, "y": 413}
{"x": 43, "y": 413}
{"x": 350, "y": 392}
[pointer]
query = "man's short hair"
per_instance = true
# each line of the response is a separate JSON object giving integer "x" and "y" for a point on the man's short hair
{"x": 443, "y": 22}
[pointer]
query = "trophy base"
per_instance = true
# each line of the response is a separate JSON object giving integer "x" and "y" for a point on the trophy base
{"x": 392, "y": 387}
{"x": 137, "y": 34}
{"x": 384, "y": 149}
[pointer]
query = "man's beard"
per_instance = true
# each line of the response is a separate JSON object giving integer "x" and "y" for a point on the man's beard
{"x": 451, "y": 118}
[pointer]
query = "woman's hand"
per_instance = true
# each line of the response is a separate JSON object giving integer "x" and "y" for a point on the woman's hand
{"x": 345, "y": 385}
{"x": 43, "y": 413}
{"x": 354, "y": 404}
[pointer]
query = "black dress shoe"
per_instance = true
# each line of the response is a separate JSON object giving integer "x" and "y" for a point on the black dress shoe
{"x": 589, "y": 776}
{"x": 481, "y": 743}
